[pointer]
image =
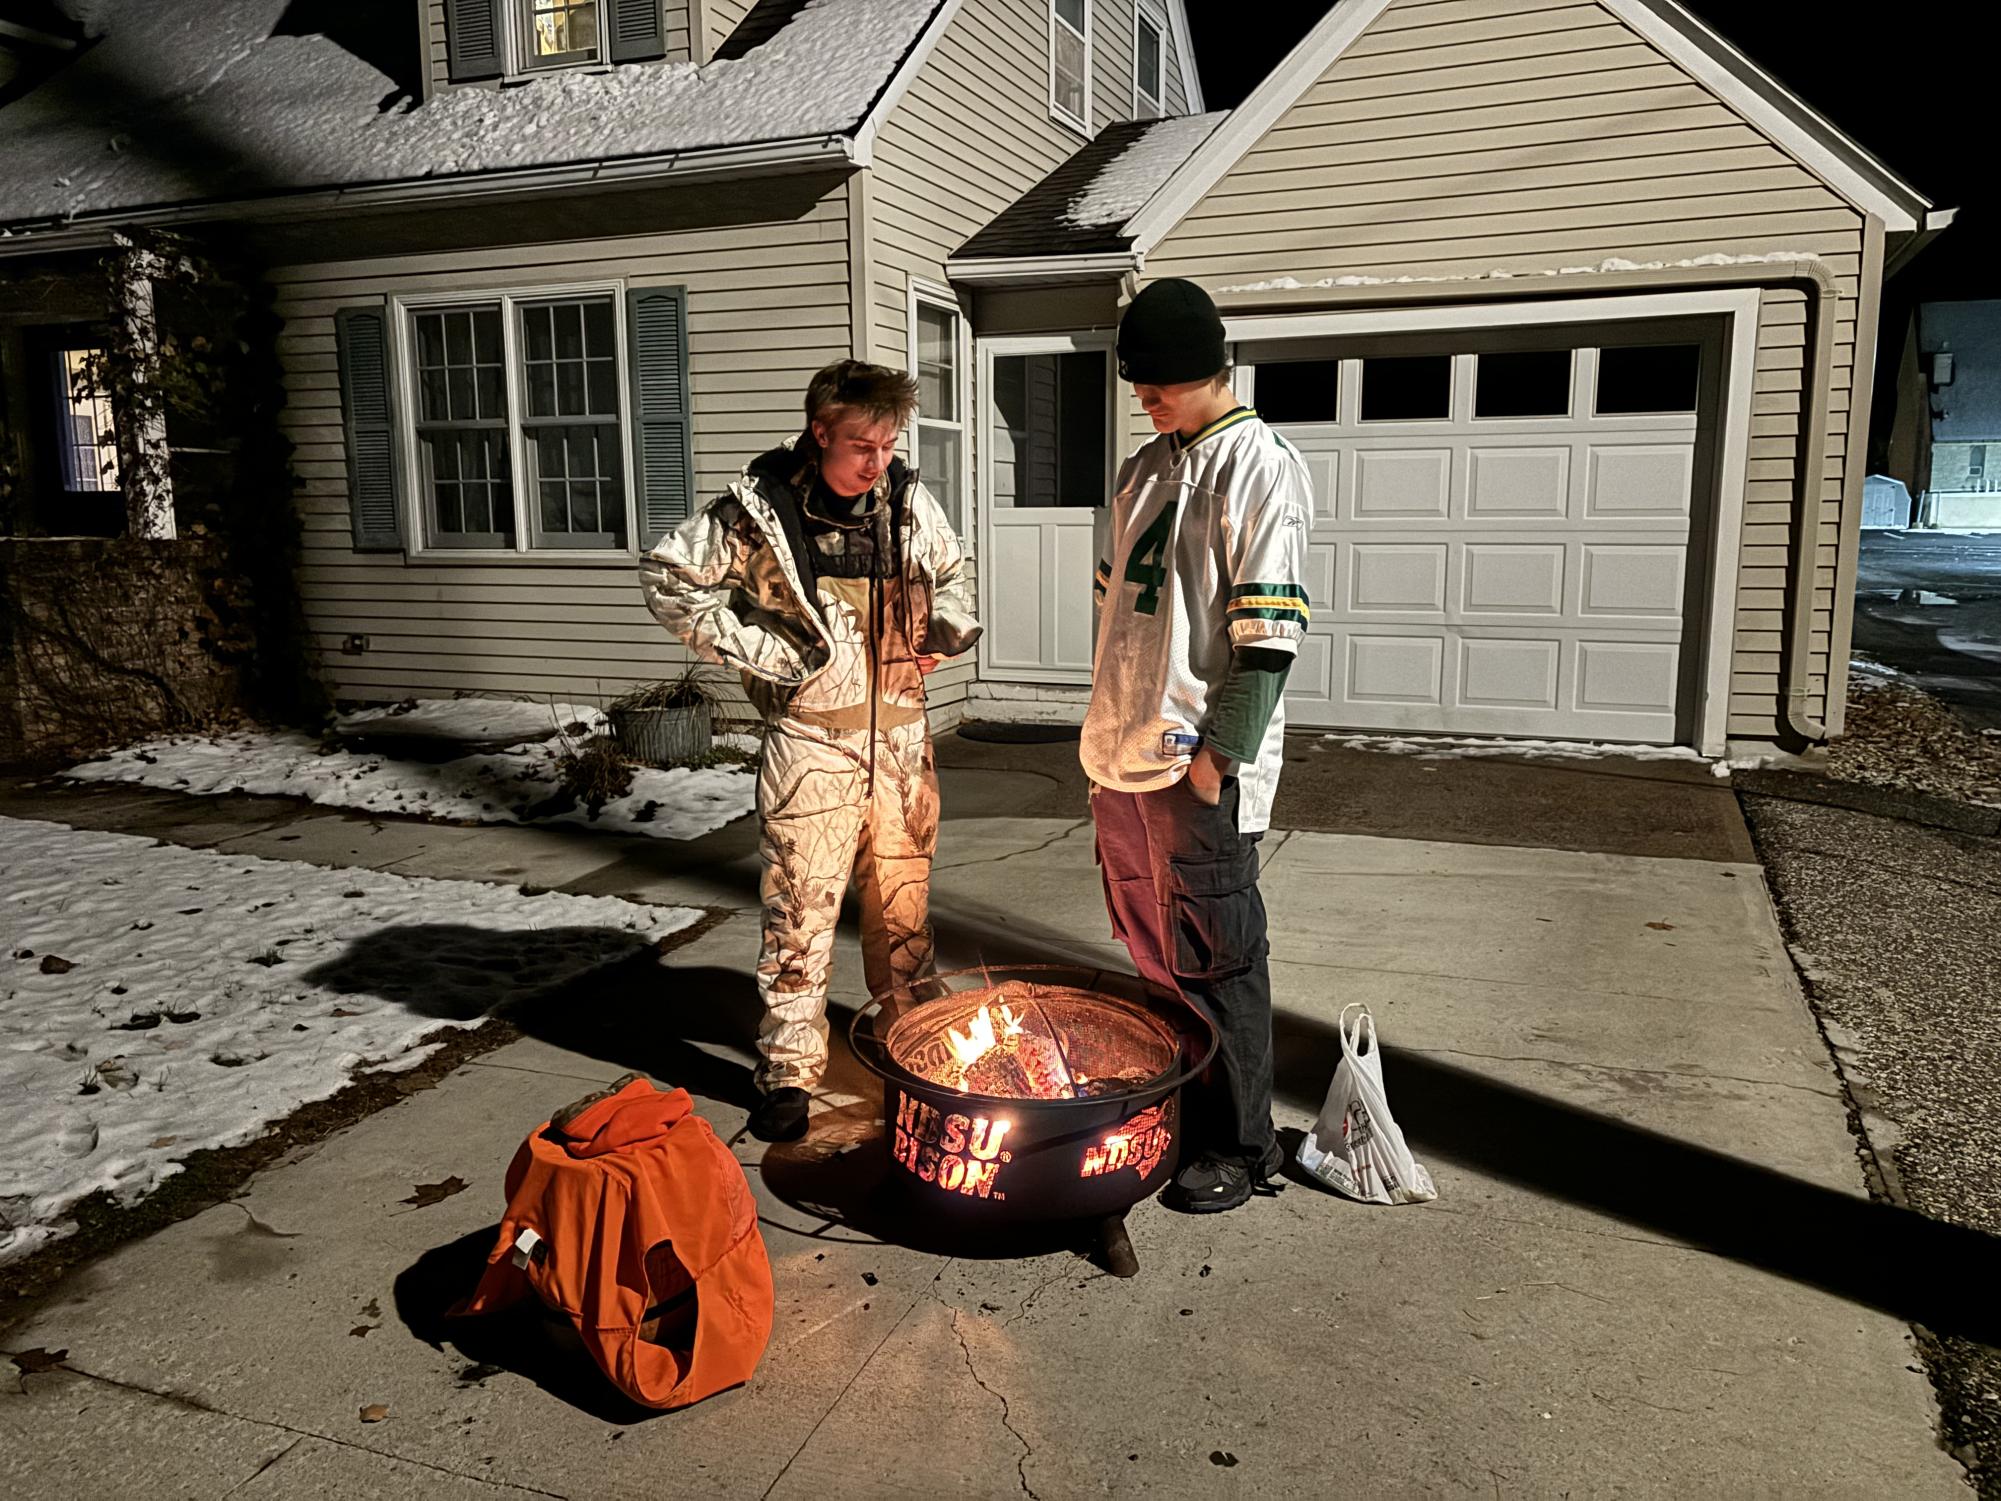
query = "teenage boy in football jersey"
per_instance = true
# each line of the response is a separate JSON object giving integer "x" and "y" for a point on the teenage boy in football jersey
{"x": 1202, "y": 605}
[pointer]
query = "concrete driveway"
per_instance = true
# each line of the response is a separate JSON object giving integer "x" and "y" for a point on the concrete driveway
{"x": 1653, "y": 1267}
{"x": 1929, "y": 605}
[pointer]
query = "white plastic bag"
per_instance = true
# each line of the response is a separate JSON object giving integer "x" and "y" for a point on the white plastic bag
{"x": 1355, "y": 1148}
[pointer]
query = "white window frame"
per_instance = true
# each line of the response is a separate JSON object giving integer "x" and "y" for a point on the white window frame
{"x": 1057, "y": 113}
{"x": 935, "y": 295}
{"x": 518, "y": 20}
{"x": 1142, "y": 16}
{"x": 411, "y": 500}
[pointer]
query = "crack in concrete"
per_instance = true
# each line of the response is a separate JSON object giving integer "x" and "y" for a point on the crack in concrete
{"x": 1082, "y": 823}
{"x": 1613, "y": 1068}
{"x": 1037, "y": 1291}
{"x": 196, "y": 1404}
{"x": 263, "y": 1467}
{"x": 1007, "y": 1410}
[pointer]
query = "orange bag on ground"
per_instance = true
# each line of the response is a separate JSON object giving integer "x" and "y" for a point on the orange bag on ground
{"x": 626, "y": 1213}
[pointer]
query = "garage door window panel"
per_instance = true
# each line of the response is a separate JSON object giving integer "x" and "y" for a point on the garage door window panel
{"x": 1533, "y": 383}
{"x": 1407, "y": 388}
{"x": 1649, "y": 379}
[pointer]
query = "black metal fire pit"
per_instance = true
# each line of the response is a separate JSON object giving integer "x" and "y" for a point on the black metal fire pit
{"x": 1034, "y": 1092}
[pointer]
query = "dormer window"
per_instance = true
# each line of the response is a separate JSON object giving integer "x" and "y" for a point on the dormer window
{"x": 559, "y": 33}
{"x": 1070, "y": 63}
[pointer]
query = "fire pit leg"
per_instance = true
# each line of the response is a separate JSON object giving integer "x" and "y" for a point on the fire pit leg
{"x": 1112, "y": 1248}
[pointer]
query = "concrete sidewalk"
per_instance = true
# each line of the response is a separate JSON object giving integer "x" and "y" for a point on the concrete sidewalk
{"x": 1652, "y": 1268}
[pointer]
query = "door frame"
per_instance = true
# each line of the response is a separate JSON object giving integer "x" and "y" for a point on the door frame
{"x": 989, "y": 347}
{"x": 1738, "y": 307}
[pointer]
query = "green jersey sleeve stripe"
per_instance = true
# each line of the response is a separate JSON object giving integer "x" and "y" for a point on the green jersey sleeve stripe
{"x": 1282, "y": 591}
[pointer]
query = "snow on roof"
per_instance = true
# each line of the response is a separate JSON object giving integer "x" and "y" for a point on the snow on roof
{"x": 1124, "y": 184}
{"x": 182, "y": 103}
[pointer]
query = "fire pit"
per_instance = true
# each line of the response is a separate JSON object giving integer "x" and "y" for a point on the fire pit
{"x": 1034, "y": 1092}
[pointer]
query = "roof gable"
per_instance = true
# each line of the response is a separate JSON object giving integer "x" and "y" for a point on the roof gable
{"x": 1759, "y": 99}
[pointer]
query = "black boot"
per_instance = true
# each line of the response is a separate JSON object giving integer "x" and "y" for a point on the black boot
{"x": 1210, "y": 1185}
{"x": 781, "y": 1115}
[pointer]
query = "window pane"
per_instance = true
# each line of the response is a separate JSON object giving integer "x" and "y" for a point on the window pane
{"x": 1299, "y": 391}
{"x": 1147, "y": 64}
{"x": 458, "y": 338}
{"x": 555, "y": 506}
{"x": 430, "y": 339}
{"x": 570, "y": 388}
{"x": 492, "y": 396}
{"x": 598, "y": 330}
{"x": 1070, "y": 72}
{"x": 462, "y": 405}
{"x": 559, "y": 28}
{"x": 584, "y": 508}
{"x": 604, "y": 388}
{"x": 1533, "y": 384}
{"x": 486, "y": 335}
{"x": 569, "y": 320}
{"x": 1407, "y": 388}
{"x": 1648, "y": 378}
{"x": 938, "y": 462}
{"x": 1050, "y": 440}
{"x": 937, "y": 354}
{"x": 1071, "y": 11}
{"x": 540, "y": 341}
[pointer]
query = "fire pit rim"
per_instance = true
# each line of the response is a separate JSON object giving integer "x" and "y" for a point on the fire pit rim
{"x": 1179, "y": 1013}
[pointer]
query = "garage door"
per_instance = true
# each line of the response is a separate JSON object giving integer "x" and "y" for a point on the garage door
{"x": 1502, "y": 537}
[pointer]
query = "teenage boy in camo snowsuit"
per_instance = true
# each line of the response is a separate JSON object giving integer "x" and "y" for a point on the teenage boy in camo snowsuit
{"x": 829, "y": 576}
{"x": 1201, "y": 608}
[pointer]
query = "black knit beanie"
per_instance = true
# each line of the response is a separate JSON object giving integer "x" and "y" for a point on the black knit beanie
{"x": 1171, "y": 333}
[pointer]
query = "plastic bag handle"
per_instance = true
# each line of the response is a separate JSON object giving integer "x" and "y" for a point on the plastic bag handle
{"x": 1351, "y": 1041}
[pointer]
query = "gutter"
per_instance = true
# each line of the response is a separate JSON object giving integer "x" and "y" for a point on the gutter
{"x": 1807, "y": 274}
{"x": 1935, "y": 223}
{"x": 1044, "y": 270}
{"x": 95, "y": 230}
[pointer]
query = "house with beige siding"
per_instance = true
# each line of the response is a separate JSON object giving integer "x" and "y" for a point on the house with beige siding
{"x": 1569, "y": 306}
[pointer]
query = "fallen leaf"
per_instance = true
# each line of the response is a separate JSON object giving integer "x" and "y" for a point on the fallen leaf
{"x": 141, "y": 1021}
{"x": 375, "y": 1412}
{"x": 24, "y": 953}
{"x": 189, "y": 911}
{"x": 372, "y": 1309}
{"x": 1224, "y": 1458}
{"x": 164, "y": 1141}
{"x": 53, "y": 964}
{"x": 869, "y": 1278}
{"x": 361, "y": 1331}
{"x": 428, "y": 1194}
{"x": 475, "y": 1375}
{"x": 342, "y": 1011}
{"x": 1661, "y": 927}
{"x": 35, "y": 1362}
{"x": 182, "y": 1018}
{"x": 350, "y": 895}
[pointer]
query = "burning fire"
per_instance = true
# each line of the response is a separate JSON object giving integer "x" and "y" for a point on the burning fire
{"x": 1009, "y": 1058}
{"x": 980, "y": 1038}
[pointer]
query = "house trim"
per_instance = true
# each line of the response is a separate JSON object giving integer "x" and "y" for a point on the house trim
{"x": 900, "y": 81}
{"x": 1057, "y": 113}
{"x": 1162, "y": 31}
{"x": 1726, "y": 519}
{"x": 1184, "y": 54}
{"x": 1044, "y": 270}
{"x": 1861, "y": 397}
{"x": 861, "y": 262}
{"x": 921, "y": 290}
{"x": 1845, "y": 167}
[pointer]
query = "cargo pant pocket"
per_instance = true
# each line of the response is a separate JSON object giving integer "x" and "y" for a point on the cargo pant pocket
{"x": 1216, "y": 913}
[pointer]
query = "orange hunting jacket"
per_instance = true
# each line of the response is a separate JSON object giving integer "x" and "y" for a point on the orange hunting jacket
{"x": 648, "y": 1241}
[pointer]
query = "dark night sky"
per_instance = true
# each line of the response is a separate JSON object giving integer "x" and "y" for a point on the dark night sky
{"x": 1887, "y": 87}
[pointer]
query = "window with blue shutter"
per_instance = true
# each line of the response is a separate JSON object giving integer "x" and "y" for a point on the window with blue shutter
{"x": 657, "y": 328}
{"x": 361, "y": 338}
{"x": 474, "y": 39}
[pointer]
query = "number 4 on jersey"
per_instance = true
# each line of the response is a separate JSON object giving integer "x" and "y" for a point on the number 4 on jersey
{"x": 1147, "y": 565}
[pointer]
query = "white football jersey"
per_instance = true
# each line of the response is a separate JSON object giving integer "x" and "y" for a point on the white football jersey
{"x": 1205, "y": 551}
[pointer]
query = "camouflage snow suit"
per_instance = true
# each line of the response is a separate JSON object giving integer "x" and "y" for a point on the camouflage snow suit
{"x": 847, "y": 788}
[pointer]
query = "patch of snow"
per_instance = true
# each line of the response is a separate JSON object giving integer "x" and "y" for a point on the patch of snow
{"x": 1451, "y": 747}
{"x": 259, "y": 111}
{"x": 501, "y": 786}
{"x": 1122, "y": 188}
{"x": 213, "y": 994}
{"x": 1926, "y": 597}
{"x": 480, "y": 720}
{"x": 1611, "y": 265}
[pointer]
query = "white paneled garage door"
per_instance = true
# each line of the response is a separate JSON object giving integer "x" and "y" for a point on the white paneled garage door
{"x": 1502, "y": 537}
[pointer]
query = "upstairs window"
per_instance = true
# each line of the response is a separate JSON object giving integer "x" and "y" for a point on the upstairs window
{"x": 1070, "y": 63}
{"x": 1147, "y": 91}
{"x": 938, "y": 355}
{"x": 559, "y": 33}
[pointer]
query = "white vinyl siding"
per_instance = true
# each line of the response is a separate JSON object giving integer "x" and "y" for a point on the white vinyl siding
{"x": 767, "y": 307}
{"x": 1457, "y": 138}
{"x": 720, "y": 18}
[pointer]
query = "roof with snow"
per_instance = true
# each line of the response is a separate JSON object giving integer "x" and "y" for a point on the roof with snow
{"x": 1083, "y": 206}
{"x": 183, "y": 104}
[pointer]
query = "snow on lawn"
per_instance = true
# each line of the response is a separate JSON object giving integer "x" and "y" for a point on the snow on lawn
{"x": 491, "y": 721}
{"x": 498, "y": 786}
{"x": 156, "y": 1000}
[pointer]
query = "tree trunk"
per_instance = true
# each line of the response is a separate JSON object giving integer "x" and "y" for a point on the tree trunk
{"x": 139, "y": 411}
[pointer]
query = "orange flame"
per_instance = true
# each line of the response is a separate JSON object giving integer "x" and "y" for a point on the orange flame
{"x": 980, "y": 1038}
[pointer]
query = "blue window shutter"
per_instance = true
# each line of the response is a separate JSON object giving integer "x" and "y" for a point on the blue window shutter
{"x": 636, "y": 33}
{"x": 657, "y": 326}
{"x": 361, "y": 336}
{"x": 473, "y": 39}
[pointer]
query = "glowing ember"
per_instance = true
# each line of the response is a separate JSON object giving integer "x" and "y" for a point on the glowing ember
{"x": 1025, "y": 1041}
